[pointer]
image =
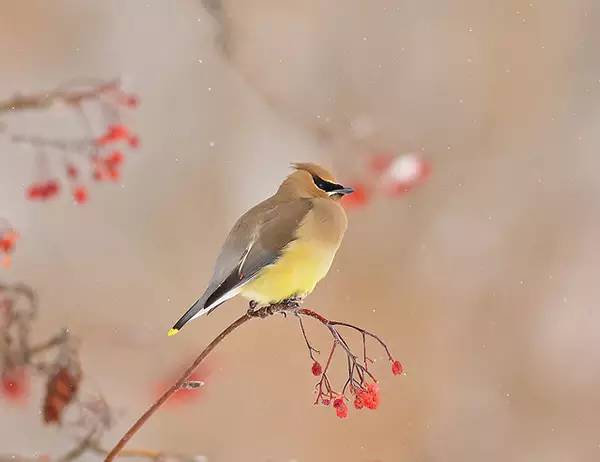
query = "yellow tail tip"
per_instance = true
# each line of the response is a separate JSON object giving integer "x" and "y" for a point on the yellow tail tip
{"x": 172, "y": 332}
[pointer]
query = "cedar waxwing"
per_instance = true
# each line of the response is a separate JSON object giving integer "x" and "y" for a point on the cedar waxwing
{"x": 280, "y": 248}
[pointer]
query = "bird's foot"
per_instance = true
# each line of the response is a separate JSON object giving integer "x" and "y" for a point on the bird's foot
{"x": 283, "y": 307}
{"x": 270, "y": 310}
{"x": 254, "y": 310}
{"x": 292, "y": 303}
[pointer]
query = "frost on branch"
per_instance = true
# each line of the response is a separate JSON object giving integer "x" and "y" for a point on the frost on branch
{"x": 96, "y": 154}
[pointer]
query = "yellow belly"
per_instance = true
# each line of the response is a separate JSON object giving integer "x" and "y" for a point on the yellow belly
{"x": 296, "y": 273}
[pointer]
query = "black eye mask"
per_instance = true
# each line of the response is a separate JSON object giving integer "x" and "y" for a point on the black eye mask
{"x": 324, "y": 185}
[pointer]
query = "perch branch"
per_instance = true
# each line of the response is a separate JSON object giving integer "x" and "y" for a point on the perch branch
{"x": 182, "y": 380}
{"x": 355, "y": 368}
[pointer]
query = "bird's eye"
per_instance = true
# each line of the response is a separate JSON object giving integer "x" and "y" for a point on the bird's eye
{"x": 325, "y": 185}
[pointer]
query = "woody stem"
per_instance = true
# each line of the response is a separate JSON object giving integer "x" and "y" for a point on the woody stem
{"x": 176, "y": 386}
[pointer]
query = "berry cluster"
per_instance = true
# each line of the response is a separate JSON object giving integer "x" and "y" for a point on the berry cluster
{"x": 106, "y": 161}
{"x": 361, "y": 386}
{"x": 393, "y": 175}
{"x": 98, "y": 104}
{"x": 366, "y": 394}
{"x": 43, "y": 190}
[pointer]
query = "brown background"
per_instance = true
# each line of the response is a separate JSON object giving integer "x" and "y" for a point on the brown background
{"x": 484, "y": 281}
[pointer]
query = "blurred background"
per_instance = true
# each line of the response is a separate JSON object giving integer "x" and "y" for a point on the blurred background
{"x": 483, "y": 279}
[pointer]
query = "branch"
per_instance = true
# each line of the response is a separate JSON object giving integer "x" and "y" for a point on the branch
{"x": 253, "y": 312}
{"x": 52, "y": 342}
{"x": 92, "y": 102}
{"x": 357, "y": 372}
{"x": 180, "y": 382}
{"x": 141, "y": 453}
{"x": 62, "y": 371}
{"x": 47, "y": 99}
{"x": 89, "y": 444}
{"x": 78, "y": 450}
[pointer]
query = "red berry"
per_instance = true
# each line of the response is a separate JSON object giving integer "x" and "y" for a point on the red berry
{"x": 358, "y": 402}
{"x": 33, "y": 192}
{"x": 98, "y": 174}
{"x": 5, "y": 261}
{"x": 341, "y": 410}
{"x": 80, "y": 194}
{"x": 397, "y": 367}
{"x": 372, "y": 396}
{"x": 7, "y": 241}
{"x": 316, "y": 369}
{"x": 134, "y": 141}
{"x": 367, "y": 397}
{"x": 113, "y": 173}
{"x": 113, "y": 133}
{"x": 114, "y": 159}
{"x": 132, "y": 101}
{"x": 72, "y": 171}
{"x": 102, "y": 141}
{"x": 117, "y": 132}
{"x": 325, "y": 402}
{"x": 44, "y": 191}
{"x": 50, "y": 188}
{"x": 14, "y": 383}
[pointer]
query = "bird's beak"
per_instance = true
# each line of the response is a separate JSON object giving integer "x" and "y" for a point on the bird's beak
{"x": 345, "y": 190}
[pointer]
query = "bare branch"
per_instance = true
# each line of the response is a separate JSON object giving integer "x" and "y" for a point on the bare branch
{"x": 57, "y": 340}
{"x": 167, "y": 394}
{"x": 47, "y": 99}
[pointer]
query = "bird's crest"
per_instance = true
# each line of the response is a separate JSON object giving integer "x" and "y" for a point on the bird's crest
{"x": 314, "y": 169}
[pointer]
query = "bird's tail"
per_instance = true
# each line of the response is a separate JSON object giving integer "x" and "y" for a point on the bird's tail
{"x": 196, "y": 310}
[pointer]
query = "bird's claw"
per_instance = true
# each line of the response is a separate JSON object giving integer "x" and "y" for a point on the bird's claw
{"x": 283, "y": 307}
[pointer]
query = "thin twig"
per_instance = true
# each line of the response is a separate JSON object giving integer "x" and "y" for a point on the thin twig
{"x": 365, "y": 332}
{"x": 58, "y": 339}
{"x": 136, "y": 452}
{"x": 311, "y": 349}
{"x": 59, "y": 144}
{"x": 324, "y": 381}
{"x": 47, "y": 99}
{"x": 78, "y": 450}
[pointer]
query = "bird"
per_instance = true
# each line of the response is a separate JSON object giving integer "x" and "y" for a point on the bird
{"x": 282, "y": 247}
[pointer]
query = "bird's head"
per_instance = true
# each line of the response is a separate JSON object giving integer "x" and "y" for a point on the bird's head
{"x": 312, "y": 180}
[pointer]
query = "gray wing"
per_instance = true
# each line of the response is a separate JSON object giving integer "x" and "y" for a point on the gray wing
{"x": 255, "y": 241}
